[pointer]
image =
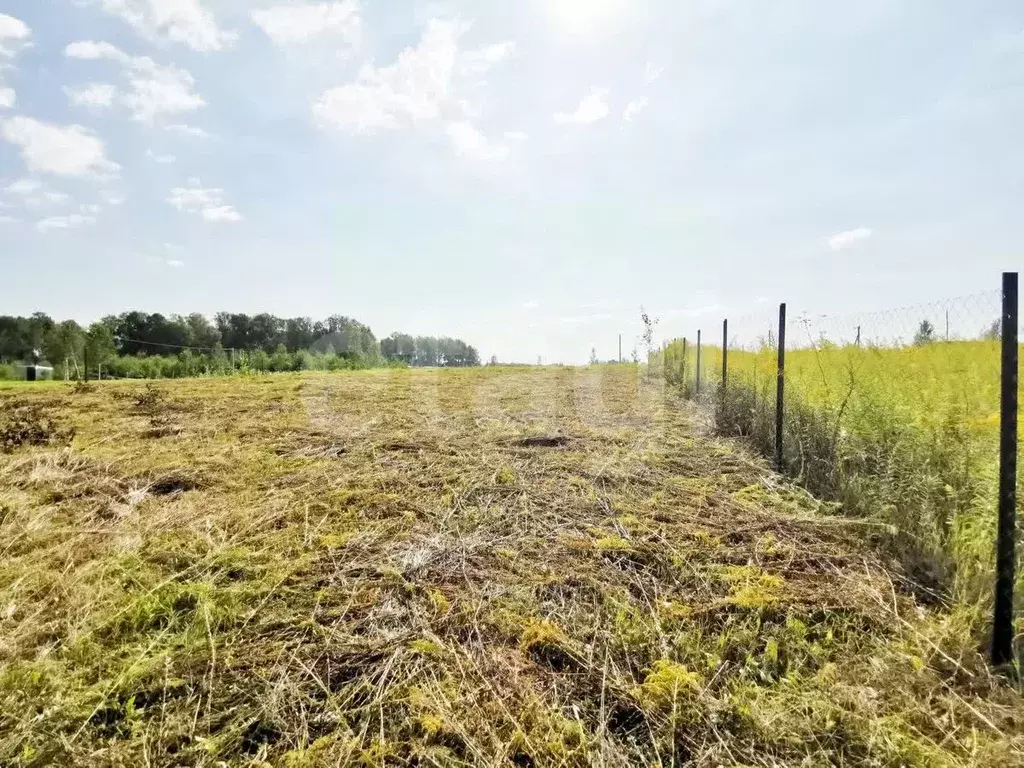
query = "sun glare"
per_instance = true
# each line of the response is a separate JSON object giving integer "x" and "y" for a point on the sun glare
{"x": 587, "y": 16}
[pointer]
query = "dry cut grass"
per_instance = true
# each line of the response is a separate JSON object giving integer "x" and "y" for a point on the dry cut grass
{"x": 535, "y": 567}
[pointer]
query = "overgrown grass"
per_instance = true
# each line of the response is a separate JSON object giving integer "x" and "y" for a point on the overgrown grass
{"x": 472, "y": 567}
{"x": 906, "y": 437}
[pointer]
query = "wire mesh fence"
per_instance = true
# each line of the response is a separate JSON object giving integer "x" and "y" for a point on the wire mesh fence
{"x": 894, "y": 415}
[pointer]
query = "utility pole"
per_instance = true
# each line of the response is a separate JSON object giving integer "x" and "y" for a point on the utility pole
{"x": 620, "y": 347}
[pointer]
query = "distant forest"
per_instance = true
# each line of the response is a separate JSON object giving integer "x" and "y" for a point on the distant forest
{"x": 143, "y": 345}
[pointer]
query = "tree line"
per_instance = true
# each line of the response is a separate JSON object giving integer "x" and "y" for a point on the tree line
{"x": 141, "y": 344}
{"x": 423, "y": 351}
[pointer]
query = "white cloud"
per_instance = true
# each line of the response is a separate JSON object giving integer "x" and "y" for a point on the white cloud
{"x": 420, "y": 88}
{"x": 63, "y": 150}
{"x": 207, "y": 202}
{"x": 9, "y": 219}
{"x": 482, "y": 59}
{"x": 14, "y": 35}
{"x": 414, "y": 88}
{"x": 849, "y": 238}
{"x": 652, "y": 72}
{"x": 89, "y": 208}
{"x": 300, "y": 22}
{"x": 187, "y": 130}
{"x": 112, "y": 198}
{"x": 531, "y": 304}
{"x": 90, "y": 50}
{"x": 154, "y": 89}
{"x": 516, "y": 136}
{"x": 92, "y": 95}
{"x": 221, "y": 213}
{"x": 23, "y": 187}
{"x": 162, "y": 91}
{"x": 592, "y": 108}
{"x": 468, "y": 141}
{"x": 34, "y": 194}
{"x": 71, "y": 221}
{"x": 183, "y": 21}
{"x": 175, "y": 263}
{"x": 160, "y": 159}
{"x": 634, "y": 108}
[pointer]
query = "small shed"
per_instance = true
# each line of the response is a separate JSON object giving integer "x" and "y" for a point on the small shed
{"x": 35, "y": 372}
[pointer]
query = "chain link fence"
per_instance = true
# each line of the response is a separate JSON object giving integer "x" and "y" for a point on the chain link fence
{"x": 893, "y": 415}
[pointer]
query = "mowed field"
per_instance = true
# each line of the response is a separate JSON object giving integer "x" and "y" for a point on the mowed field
{"x": 496, "y": 566}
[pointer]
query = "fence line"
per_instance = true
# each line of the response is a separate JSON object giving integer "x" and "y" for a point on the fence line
{"x": 837, "y": 352}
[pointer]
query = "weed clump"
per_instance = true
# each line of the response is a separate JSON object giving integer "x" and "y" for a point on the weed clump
{"x": 666, "y": 686}
{"x": 28, "y": 424}
{"x": 548, "y": 645}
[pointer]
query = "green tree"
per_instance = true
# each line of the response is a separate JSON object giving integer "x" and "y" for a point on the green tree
{"x": 65, "y": 342}
{"x": 201, "y": 332}
{"x": 298, "y": 333}
{"x": 925, "y": 333}
{"x": 99, "y": 344}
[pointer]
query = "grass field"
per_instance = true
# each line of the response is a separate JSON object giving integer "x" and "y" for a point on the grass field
{"x": 500, "y": 566}
{"x": 906, "y": 437}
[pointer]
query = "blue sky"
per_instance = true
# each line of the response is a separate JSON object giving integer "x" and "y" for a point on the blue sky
{"x": 524, "y": 175}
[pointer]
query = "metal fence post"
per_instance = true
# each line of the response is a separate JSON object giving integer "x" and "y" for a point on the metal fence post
{"x": 697, "y": 384}
{"x": 85, "y": 362}
{"x": 1002, "y": 626}
{"x": 725, "y": 358}
{"x": 684, "y": 364}
{"x": 780, "y": 389}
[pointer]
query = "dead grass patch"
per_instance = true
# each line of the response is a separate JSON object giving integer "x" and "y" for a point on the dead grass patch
{"x": 373, "y": 568}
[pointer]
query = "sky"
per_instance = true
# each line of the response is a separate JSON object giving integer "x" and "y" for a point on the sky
{"x": 524, "y": 175}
